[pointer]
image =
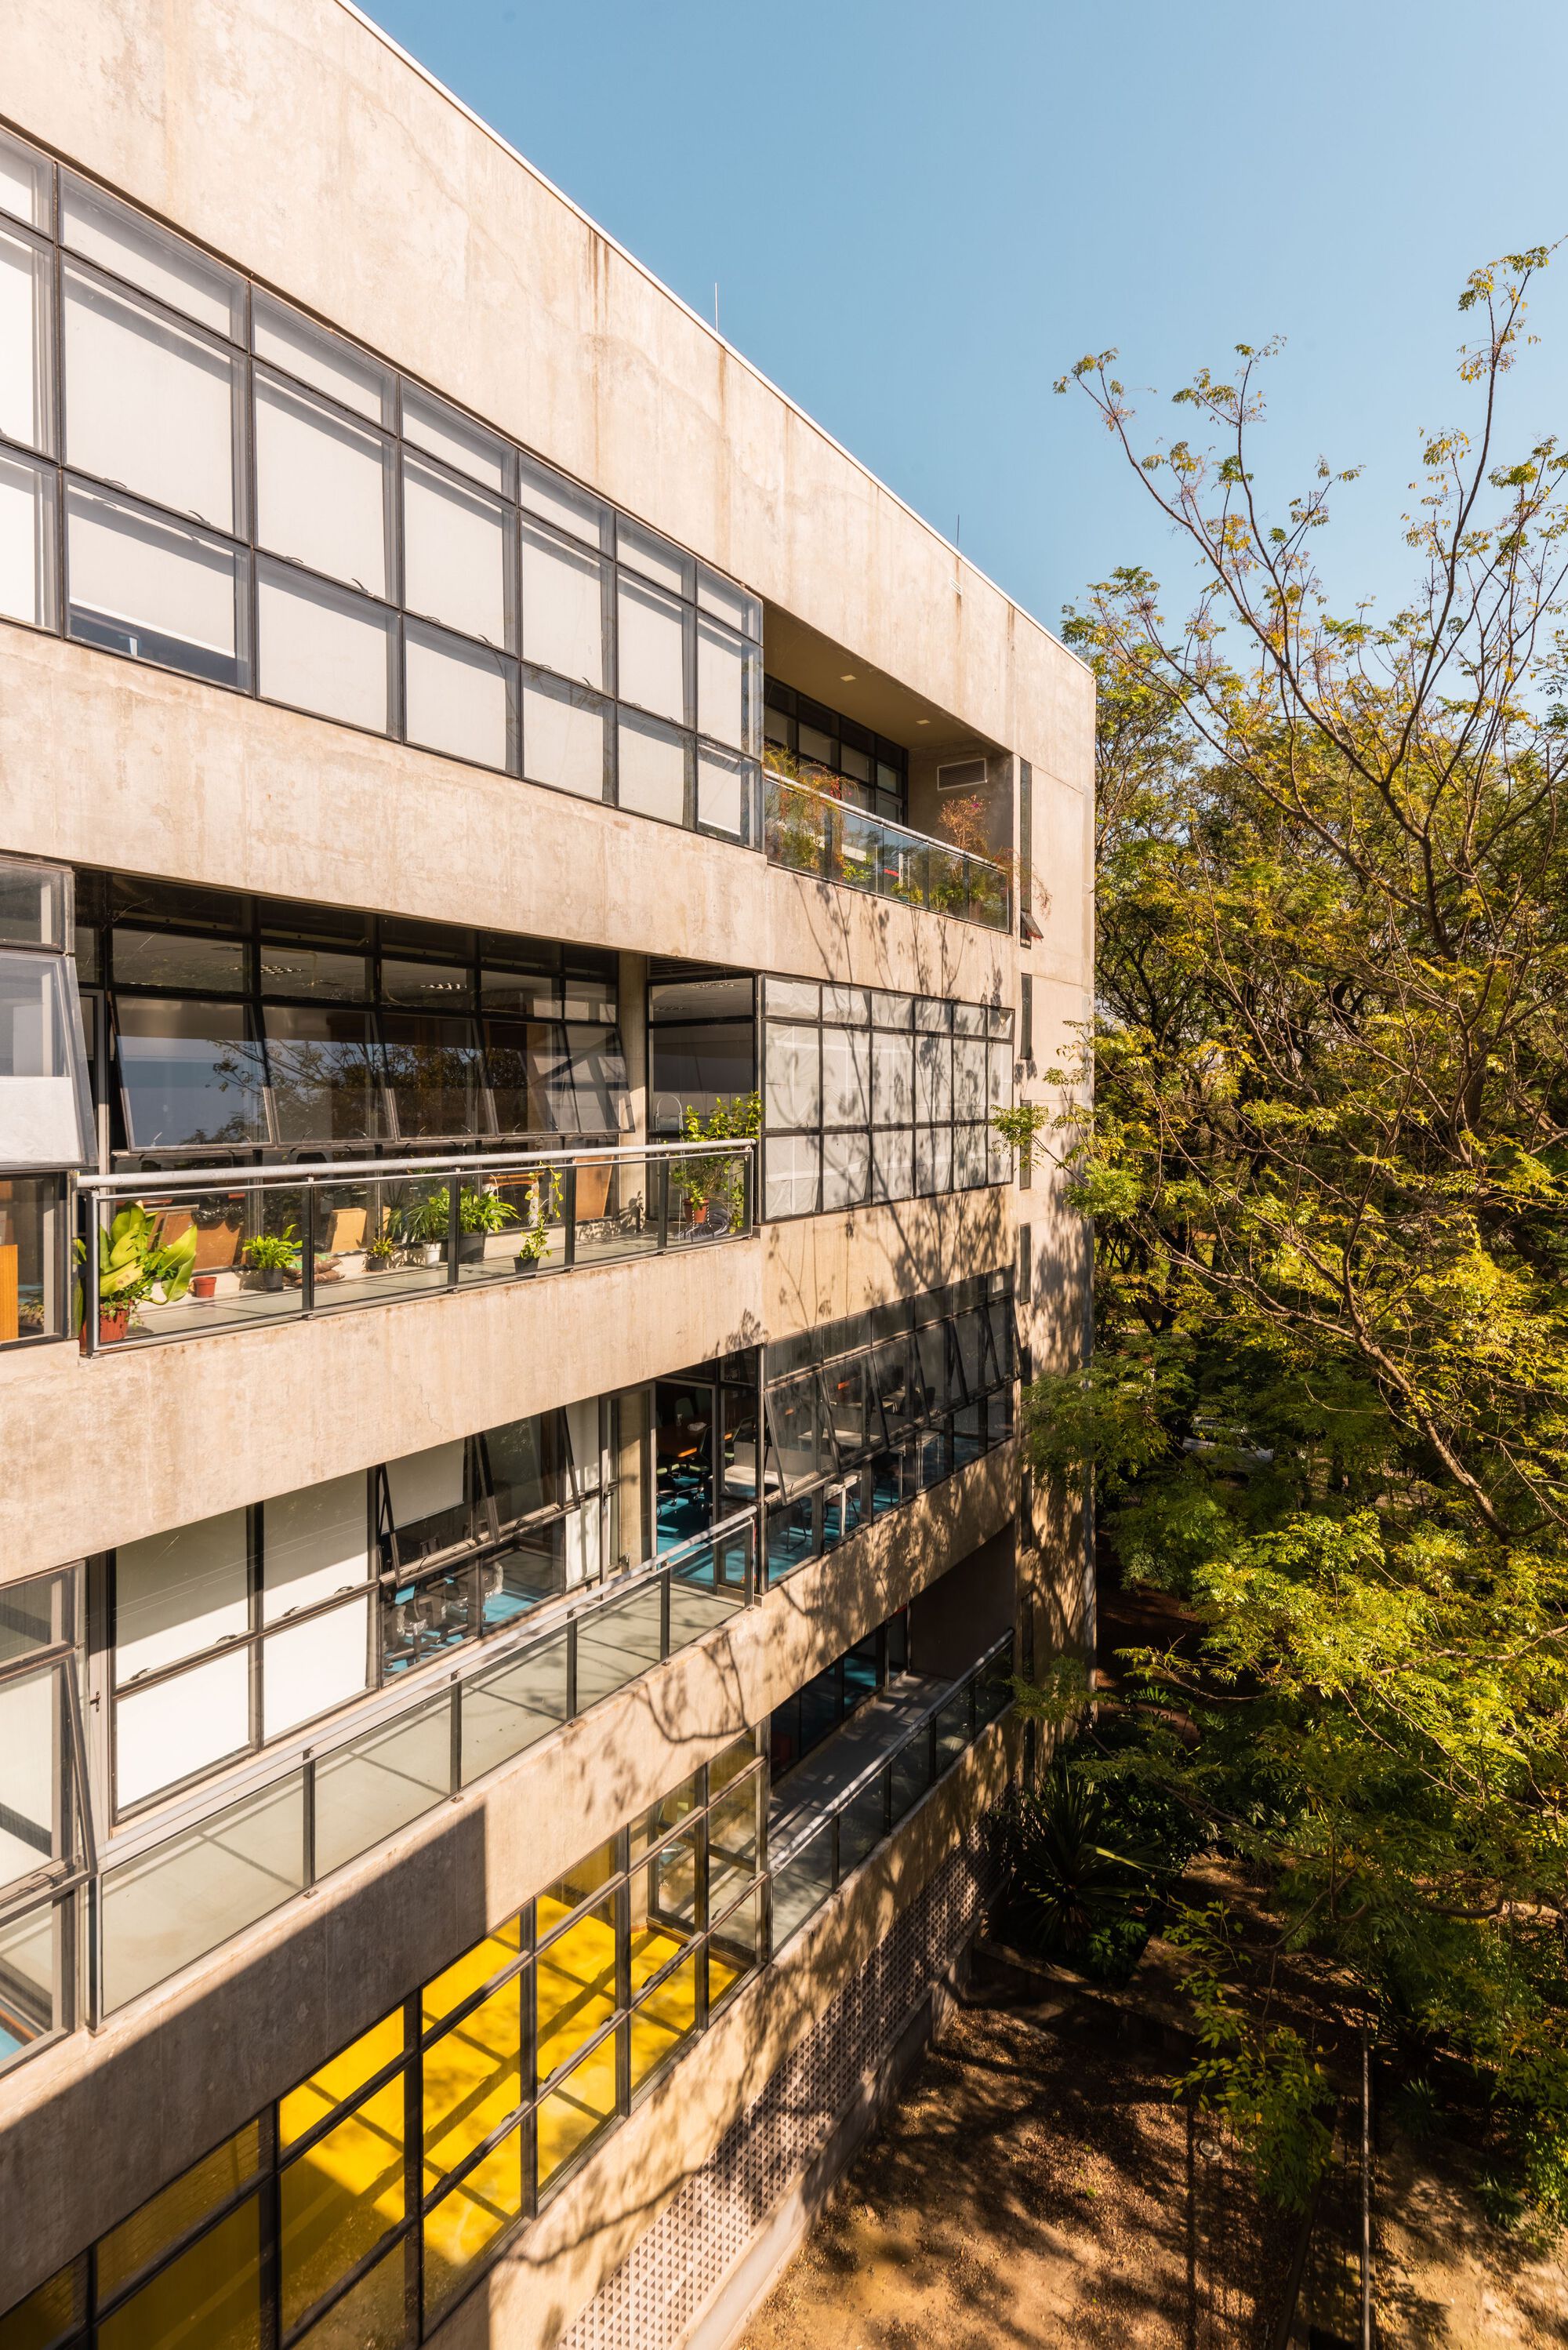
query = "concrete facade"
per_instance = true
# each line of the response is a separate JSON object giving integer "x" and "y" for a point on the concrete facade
{"x": 294, "y": 140}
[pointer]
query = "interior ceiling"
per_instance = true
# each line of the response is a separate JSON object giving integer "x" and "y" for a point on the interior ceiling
{"x": 814, "y": 664}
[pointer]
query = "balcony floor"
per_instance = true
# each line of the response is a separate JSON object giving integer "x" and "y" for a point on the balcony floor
{"x": 803, "y": 1800}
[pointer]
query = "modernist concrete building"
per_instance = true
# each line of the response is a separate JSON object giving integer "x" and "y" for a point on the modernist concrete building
{"x": 507, "y": 1550}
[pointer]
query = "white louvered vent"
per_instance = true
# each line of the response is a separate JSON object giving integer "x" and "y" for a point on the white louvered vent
{"x": 960, "y": 776}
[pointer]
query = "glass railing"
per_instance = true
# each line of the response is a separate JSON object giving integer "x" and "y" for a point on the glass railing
{"x": 180, "y": 1254}
{"x": 173, "y": 1899}
{"x": 811, "y": 833}
{"x": 866, "y": 1815}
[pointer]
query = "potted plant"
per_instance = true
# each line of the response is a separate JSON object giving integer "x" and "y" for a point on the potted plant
{"x": 422, "y": 1226}
{"x": 721, "y": 1177}
{"x": 534, "y": 1242}
{"x": 133, "y": 1261}
{"x": 380, "y": 1251}
{"x": 272, "y": 1255}
{"x": 479, "y": 1214}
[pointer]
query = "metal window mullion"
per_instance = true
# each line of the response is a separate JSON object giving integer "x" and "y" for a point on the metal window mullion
{"x": 413, "y": 2154}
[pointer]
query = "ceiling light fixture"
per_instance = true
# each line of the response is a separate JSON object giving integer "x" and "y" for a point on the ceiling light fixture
{"x": 922, "y": 722}
{"x": 846, "y": 677}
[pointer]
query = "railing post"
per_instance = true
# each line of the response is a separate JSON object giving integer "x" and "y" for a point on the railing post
{"x": 572, "y": 1669}
{"x": 570, "y": 1226}
{"x": 91, "y": 1300}
{"x": 837, "y": 1816}
{"x": 453, "y": 1225}
{"x": 309, "y": 1809}
{"x": 664, "y": 1615}
{"x": 663, "y": 1203}
{"x": 308, "y": 1256}
{"x": 455, "y": 1728}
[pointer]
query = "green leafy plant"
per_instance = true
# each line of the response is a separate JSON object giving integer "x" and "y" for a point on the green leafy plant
{"x": 1077, "y": 1896}
{"x": 273, "y": 1251}
{"x": 379, "y": 1247}
{"x": 735, "y": 1118}
{"x": 423, "y": 1221}
{"x": 484, "y": 1211}
{"x": 133, "y": 1260}
{"x": 534, "y": 1241}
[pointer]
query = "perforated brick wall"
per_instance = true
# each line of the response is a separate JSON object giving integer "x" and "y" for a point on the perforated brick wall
{"x": 654, "y": 2297}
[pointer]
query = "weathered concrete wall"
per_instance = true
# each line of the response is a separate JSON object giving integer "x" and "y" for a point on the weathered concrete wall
{"x": 92, "y": 2126}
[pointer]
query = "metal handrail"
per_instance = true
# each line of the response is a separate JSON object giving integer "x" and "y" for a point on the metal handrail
{"x": 331, "y": 1170}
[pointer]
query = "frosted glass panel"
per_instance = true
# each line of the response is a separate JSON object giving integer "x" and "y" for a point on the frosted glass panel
{"x": 177, "y": 1594}
{"x": 892, "y": 1079}
{"x": 320, "y": 488}
{"x": 650, "y": 643}
{"x": 846, "y": 1169}
{"x": 793, "y": 1164}
{"x": 429, "y": 424}
{"x": 24, "y": 393}
{"x": 560, "y": 501}
{"x": 170, "y": 592}
{"x": 720, "y": 684}
{"x": 313, "y": 1665}
{"x": 148, "y": 404}
{"x": 321, "y": 650}
{"x": 563, "y": 607}
{"x": 933, "y": 1077}
{"x": 148, "y": 256}
{"x": 456, "y": 697}
{"x": 23, "y": 183}
{"x": 168, "y": 1733}
{"x": 845, "y": 1078}
{"x": 314, "y": 357}
{"x": 968, "y": 1077}
{"x": 794, "y": 1075}
{"x": 422, "y": 1483}
{"x": 26, "y": 542}
{"x": 455, "y": 555}
{"x": 893, "y": 1165}
{"x": 722, "y": 786}
{"x": 314, "y": 1542}
{"x": 652, "y": 780}
{"x": 563, "y": 741}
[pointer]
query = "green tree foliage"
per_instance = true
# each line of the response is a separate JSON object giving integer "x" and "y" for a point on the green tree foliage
{"x": 1328, "y": 1165}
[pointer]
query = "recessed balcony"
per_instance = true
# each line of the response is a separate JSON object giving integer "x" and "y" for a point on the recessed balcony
{"x": 811, "y": 832}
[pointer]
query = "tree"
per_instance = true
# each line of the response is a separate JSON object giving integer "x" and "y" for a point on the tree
{"x": 1328, "y": 1165}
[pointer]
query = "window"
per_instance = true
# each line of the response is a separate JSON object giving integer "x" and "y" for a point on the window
{"x": 460, "y": 697}
{"x": 322, "y": 649}
{"x": 24, "y": 341}
{"x": 456, "y": 555}
{"x": 652, "y": 770}
{"x": 26, "y": 542}
{"x": 564, "y": 736}
{"x": 139, "y": 584}
{"x": 327, "y": 1076}
{"x": 860, "y": 1088}
{"x": 192, "y": 1073}
{"x": 651, "y": 650}
{"x": 321, "y": 488}
{"x": 563, "y": 607}
{"x": 149, "y": 405}
{"x": 832, "y": 752}
{"x": 46, "y": 1119}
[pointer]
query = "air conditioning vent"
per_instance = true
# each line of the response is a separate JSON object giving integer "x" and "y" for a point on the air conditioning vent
{"x": 960, "y": 776}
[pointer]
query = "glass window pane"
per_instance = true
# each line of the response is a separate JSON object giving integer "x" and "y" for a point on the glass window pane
{"x": 23, "y": 342}
{"x": 794, "y": 1075}
{"x": 651, "y": 650}
{"x": 515, "y": 1055}
{"x": 663, "y": 2020}
{"x": 720, "y": 684}
{"x": 735, "y": 1950}
{"x": 191, "y": 1073}
{"x": 663, "y": 1900}
{"x": 148, "y": 404}
{"x": 575, "y": 2110}
{"x": 217, "y": 966}
{"x": 178, "y": 1594}
{"x": 374, "y": 2316}
{"x": 457, "y": 697}
{"x": 26, "y": 542}
{"x": 845, "y": 1171}
{"x": 166, "y": 2216}
{"x": 337, "y": 2200}
{"x": 44, "y": 1112}
{"x": 326, "y": 1069}
{"x": 892, "y": 1079}
{"x": 310, "y": 1667}
{"x": 934, "y": 1079}
{"x": 968, "y": 1077}
{"x": 716, "y": 594}
{"x": 933, "y": 1161}
{"x": 487, "y": 1956}
{"x": 431, "y": 425}
{"x": 725, "y": 791}
{"x": 460, "y": 2229}
{"x": 798, "y": 998}
{"x": 321, "y": 488}
{"x": 133, "y": 248}
{"x": 733, "y": 1843}
{"x": 652, "y": 780}
{"x": 33, "y": 1304}
{"x": 560, "y": 501}
{"x": 30, "y": 1824}
{"x": 24, "y": 182}
{"x": 892, "y": 1164}
{"x": 370, "y": 1787}
{"x": 153, "y": 589}
{"x": 342, "y": 2078}
{"x": 845, "y": 1078}
{"x": 426, "y": 1485}
{"x": 209, "y": 2299}
{"x": 314, "y": 1544}
{"x": 970, "y": 1157}
{"x": 321, "y": 649}
{"x": 194, "y": 1889}
{"x": 563, "y": 607}
{"x": 575, "y": 1986}
{"x": 454, "y": 553}
{"x": 654, "y": 558}
{"x": 597, "y": 1067}
{"x": 435, "y": 1073}
{"x": 53, "y": 2311}
{"x": 318, "y": 358}
{"x": 799, "y": 1446}
{"x": 564, "y": 738}
{"x": 179, "y": 1727}
{"x": 794, "y": 1170}
{"x": 472, "y": 2080}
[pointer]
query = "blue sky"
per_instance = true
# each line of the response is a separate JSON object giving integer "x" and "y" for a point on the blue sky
{"x": 920, "y": 211}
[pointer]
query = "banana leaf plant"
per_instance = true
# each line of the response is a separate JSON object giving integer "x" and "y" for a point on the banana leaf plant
{"x": 133, "y": 1260}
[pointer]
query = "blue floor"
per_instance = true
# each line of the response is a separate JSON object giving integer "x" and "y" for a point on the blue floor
{"x": 680, "y": 1516}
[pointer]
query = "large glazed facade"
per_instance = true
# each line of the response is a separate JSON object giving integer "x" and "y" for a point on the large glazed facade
{"x": 512, "y": 1300}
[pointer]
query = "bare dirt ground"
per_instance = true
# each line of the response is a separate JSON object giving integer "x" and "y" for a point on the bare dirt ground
{"x": 1028, "y": 2190}
{"x": 1446, "y": 2279}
